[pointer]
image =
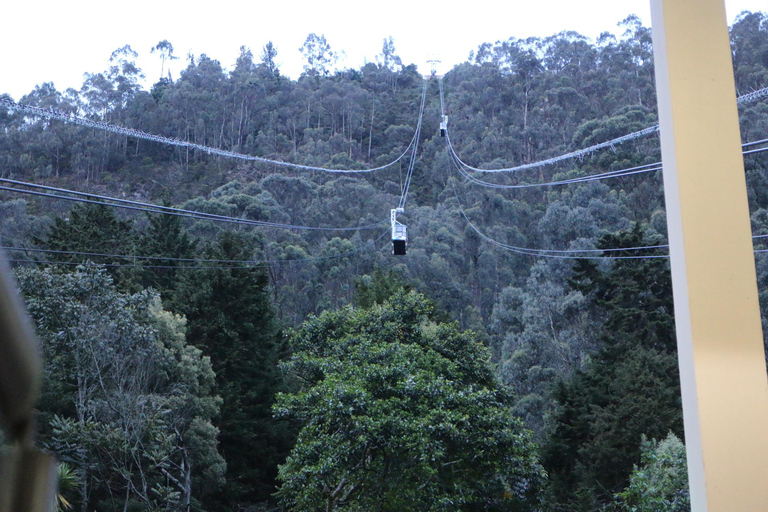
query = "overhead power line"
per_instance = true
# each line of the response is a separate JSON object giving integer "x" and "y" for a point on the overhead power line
{"x": 89, "y": 198}
{"x": 138, "y": 134}
{"x": 124, "y": 256}
{"x": 128, "y": 265}
{"x": 228, "y": 264}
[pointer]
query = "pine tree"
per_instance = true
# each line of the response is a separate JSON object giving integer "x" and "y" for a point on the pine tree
{"x": 231, "y": 320}
{"x": 97, "y": 235}
{"x": 628, "y": 389}
{"x": 378, "y": 287}
{"x": 164, "y": 237}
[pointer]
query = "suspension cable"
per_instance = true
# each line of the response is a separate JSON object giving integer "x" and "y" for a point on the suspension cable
{"x": 656, "y": 166}
{"x": 556, "y": 253}
{"x": 52, "y": 113}
{"x": 412, "y": 163}
{"x": 581, "y": 153}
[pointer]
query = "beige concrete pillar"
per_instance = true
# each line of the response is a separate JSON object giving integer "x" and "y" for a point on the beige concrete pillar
{"x": 719, "y": 336}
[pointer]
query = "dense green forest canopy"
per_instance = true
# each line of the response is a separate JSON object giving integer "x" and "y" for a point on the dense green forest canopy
{"x": 163, "y": 334}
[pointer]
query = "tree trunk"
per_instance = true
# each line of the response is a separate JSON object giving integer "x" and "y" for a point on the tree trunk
{"x": 84, "y": 491}
{"x": 240, "y": 124}
{"x": 187, "y": 483}
{"x": 127, "y": 495}
{"x": 370, "y": 132}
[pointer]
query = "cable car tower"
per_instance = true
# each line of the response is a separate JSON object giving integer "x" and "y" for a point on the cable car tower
{"x": 433, "y": 65}
{"x": 399, "y": 233}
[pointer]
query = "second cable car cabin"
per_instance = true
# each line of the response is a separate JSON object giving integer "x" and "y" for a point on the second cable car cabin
{"x": 443, "y": 126}
{"x": 399, "y": 234}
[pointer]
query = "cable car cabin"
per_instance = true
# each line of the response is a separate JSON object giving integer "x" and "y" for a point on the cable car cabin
{"x": 399, "y": 235}
{"x": 443, "y": 126}
{"x": 399, "y": 241}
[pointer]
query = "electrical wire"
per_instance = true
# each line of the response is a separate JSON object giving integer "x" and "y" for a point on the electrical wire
{"x": 236, "y": 263}
{"x": 153, "y": 208}
{"x": 120, "y": 265}
{"x": 123, "y": 256}
{"x": 138, "y": 134}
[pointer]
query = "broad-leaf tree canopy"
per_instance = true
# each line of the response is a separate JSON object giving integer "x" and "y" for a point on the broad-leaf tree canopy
{"x": 401, "y": 413}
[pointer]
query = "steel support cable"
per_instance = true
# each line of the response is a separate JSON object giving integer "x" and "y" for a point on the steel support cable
{"x": 130, "y": 132}
{"x": 656, "y": 166}
{"x": 561, "y": 254}
{"x": 753, "y": 151}
{"x": 581, "y": 153}
{"x": 754, "y": 143}
{"x": 548, "y": 252}
{"x": 408, "y": 174}
{"x": 442, "y": 97}
{"x": 153, "y": 208}
{"x": 752, "y": 96}
{"x": 595, "y": 177}
{"x": 569, "y": 254}
{"x": 412, "y": 164}
{"x": 566, "y": 254}
{"x": 244, "y": 263}
{"x": 571, "y": 181}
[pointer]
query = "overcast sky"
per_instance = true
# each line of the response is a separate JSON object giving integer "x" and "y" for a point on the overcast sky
{"x": 56, "y": 41}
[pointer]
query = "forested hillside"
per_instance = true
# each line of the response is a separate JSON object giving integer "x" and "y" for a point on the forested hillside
{"x": 188, "y": 356}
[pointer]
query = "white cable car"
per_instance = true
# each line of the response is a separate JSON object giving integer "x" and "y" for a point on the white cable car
{"x": 399, "y": 234}
{"x": 443, "y": 126}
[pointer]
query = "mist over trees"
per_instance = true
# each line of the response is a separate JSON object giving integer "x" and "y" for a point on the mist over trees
{"x": 198, "y": 365}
